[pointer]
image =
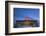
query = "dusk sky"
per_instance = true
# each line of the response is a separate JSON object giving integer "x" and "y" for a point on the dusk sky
{"x": 21, "y": 13}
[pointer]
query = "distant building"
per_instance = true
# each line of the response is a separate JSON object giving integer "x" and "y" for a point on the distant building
{"x": 26, "y": 23}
